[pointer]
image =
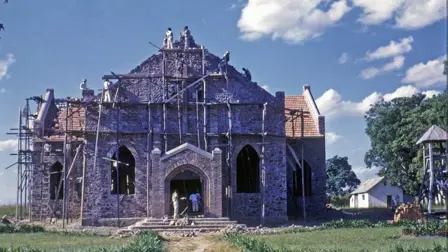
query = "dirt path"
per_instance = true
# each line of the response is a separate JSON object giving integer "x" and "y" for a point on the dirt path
{"x": 202, "y": 243}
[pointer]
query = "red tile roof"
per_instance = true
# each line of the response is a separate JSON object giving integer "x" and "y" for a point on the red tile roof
{"x": 293, "y": 125}
{"x": 75, "y": 123}
{"x": 76, "y": 120}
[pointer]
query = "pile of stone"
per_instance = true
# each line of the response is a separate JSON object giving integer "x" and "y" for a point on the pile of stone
{"x": 407, "y": 212}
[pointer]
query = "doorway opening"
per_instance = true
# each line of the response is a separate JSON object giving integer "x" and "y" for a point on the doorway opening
{"x": 187, "y": 183}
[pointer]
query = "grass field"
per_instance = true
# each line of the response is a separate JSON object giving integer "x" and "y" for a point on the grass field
{"x": 7, "y": 210}
{"x": 58, "y": 241}
{"x": 350, "y": 239}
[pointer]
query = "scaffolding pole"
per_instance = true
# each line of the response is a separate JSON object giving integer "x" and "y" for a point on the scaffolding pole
{"x": 19, "y": 168}
{"x": 229, "y": 158}
{"x": 205, "y": 113}
{"x": 303, "y": 165}
{"x": 197, "y": 119}
{"x": 64, "y": 195}
{"x": 148, "y": 151}
{"x": 165, "y": 137}
{"x": 118, "y": 168}
{"x": 179, "y": 116}
{"x": 100, "y": 109}
{"x": 263, "y": 170}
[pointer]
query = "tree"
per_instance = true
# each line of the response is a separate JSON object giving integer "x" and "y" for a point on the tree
{"x": 445, "y": 69}
{"x": 340, "y": 176}
{"x": 394, "y": 128}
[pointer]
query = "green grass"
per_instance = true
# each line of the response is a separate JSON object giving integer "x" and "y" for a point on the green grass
{"x": 349, "y": 239}
{"x": 8, "y": 210}
{"x": 59, "y": 241}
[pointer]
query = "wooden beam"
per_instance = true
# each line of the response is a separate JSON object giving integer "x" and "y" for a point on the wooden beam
{"x": 294, "y": 155}
{"x": 130, "y": 76}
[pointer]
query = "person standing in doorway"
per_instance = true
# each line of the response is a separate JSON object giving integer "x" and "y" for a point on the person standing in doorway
{"x": 199, "y": 198}
{"x": 175, "y": 201}
{"x": 194, "y": 202}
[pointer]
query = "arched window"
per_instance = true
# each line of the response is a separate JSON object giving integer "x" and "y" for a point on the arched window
{"x": 297, "y": 180}
{"x": 124, "y": 179}
{"x": 247, "y": 171}
{"x": 55, "y": 179}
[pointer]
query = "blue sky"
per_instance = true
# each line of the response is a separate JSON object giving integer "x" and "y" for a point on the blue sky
{"x": 352, "y": 53}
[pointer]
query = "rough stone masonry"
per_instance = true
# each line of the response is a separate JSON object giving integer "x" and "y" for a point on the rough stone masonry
{"x": 216, "y": 131}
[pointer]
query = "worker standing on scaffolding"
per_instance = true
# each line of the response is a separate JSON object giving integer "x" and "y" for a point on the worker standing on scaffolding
{"x": 107, "y": 91}
{"x": 169, "y": 39}
{"x": 225, "y": 59}
{"x": 186, "y": 35}
{"x": 83, "y": 85}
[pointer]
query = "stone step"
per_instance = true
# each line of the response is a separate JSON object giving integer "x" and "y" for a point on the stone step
{"x": 196, "y": 222}
{"x": 191, "y": 219}
{"x": 183, "y": 229}
{"x": 178, "y": 227}
{"x": 166, "y": 225}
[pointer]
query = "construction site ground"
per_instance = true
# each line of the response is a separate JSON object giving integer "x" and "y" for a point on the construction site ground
{"x": 348, "y": 239}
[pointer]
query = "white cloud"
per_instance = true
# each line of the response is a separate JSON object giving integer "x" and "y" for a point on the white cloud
{"x": 371, "y": 72}
{"x": 331, "y": 103}
{"x": 232, "y": 6}
{"x": 431, "y": 93}
{"x": 331, "y": 138}
{"x": 8, "y": 145}
{"x": 416, "y": 14}
{"x": 364, "y": 173}
{"x": 2, "y": 90}
{"x": 343, "y": 58}
{"x": 2, "y": 173}
{"x": 408, "y": 14}
{"x": 378, "y": 11}
{"x": 293, "y": 21}
{"x": 5, "y": 63}
{"x": 265, "y": 87}
{"x": 392, "y": 49}
{"x": 427, "y": 74}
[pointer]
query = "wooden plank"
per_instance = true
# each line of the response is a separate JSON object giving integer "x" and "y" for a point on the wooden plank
{"x": 294, "y": 155}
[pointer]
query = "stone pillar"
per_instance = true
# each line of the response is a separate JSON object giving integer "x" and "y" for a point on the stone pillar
{"x": 215, "y": 209}
{"x": 87, "y": 95}
{"x": 158, "y": 186}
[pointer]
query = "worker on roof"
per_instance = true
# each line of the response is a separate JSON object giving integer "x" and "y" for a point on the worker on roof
{"x": 247, "y": 74}
{"x": 186, "y": 35}
{"x": 169, "y": 39}
{"x": 83, "y": 85}
{"x": 107, "y": 91}
{"x": 225, "y": 59}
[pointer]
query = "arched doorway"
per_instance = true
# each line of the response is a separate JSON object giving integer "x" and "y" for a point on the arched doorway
{"x": 56, "y": 181}
{"x": 123, "y": 172}
{"x": 187, "y": 181}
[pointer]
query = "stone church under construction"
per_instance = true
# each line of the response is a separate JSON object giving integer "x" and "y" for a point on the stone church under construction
{"x": 175, "y": 123}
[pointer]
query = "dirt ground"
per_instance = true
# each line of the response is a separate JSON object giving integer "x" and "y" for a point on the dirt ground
{"x": 202, "y": 243}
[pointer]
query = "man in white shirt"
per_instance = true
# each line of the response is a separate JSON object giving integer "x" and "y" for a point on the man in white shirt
{"x": 194, "y": 202}
{"x": 106, "y": 91}
{"x": 169, "y": 39}
{"x": 186, "y": 35}
{"x": 83, "y": 85}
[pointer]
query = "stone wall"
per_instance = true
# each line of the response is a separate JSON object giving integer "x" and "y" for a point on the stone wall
{"x": 42, "y": 206}
{"x": 247, "y": 100}
{"x": 314, "y": 155}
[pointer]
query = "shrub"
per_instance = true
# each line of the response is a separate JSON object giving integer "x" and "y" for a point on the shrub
{"x": 401, "y": 248}
{"x": 20, "y": 228}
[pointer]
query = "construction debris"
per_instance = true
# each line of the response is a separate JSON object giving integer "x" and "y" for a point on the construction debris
{"x": 408, "y": 212}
